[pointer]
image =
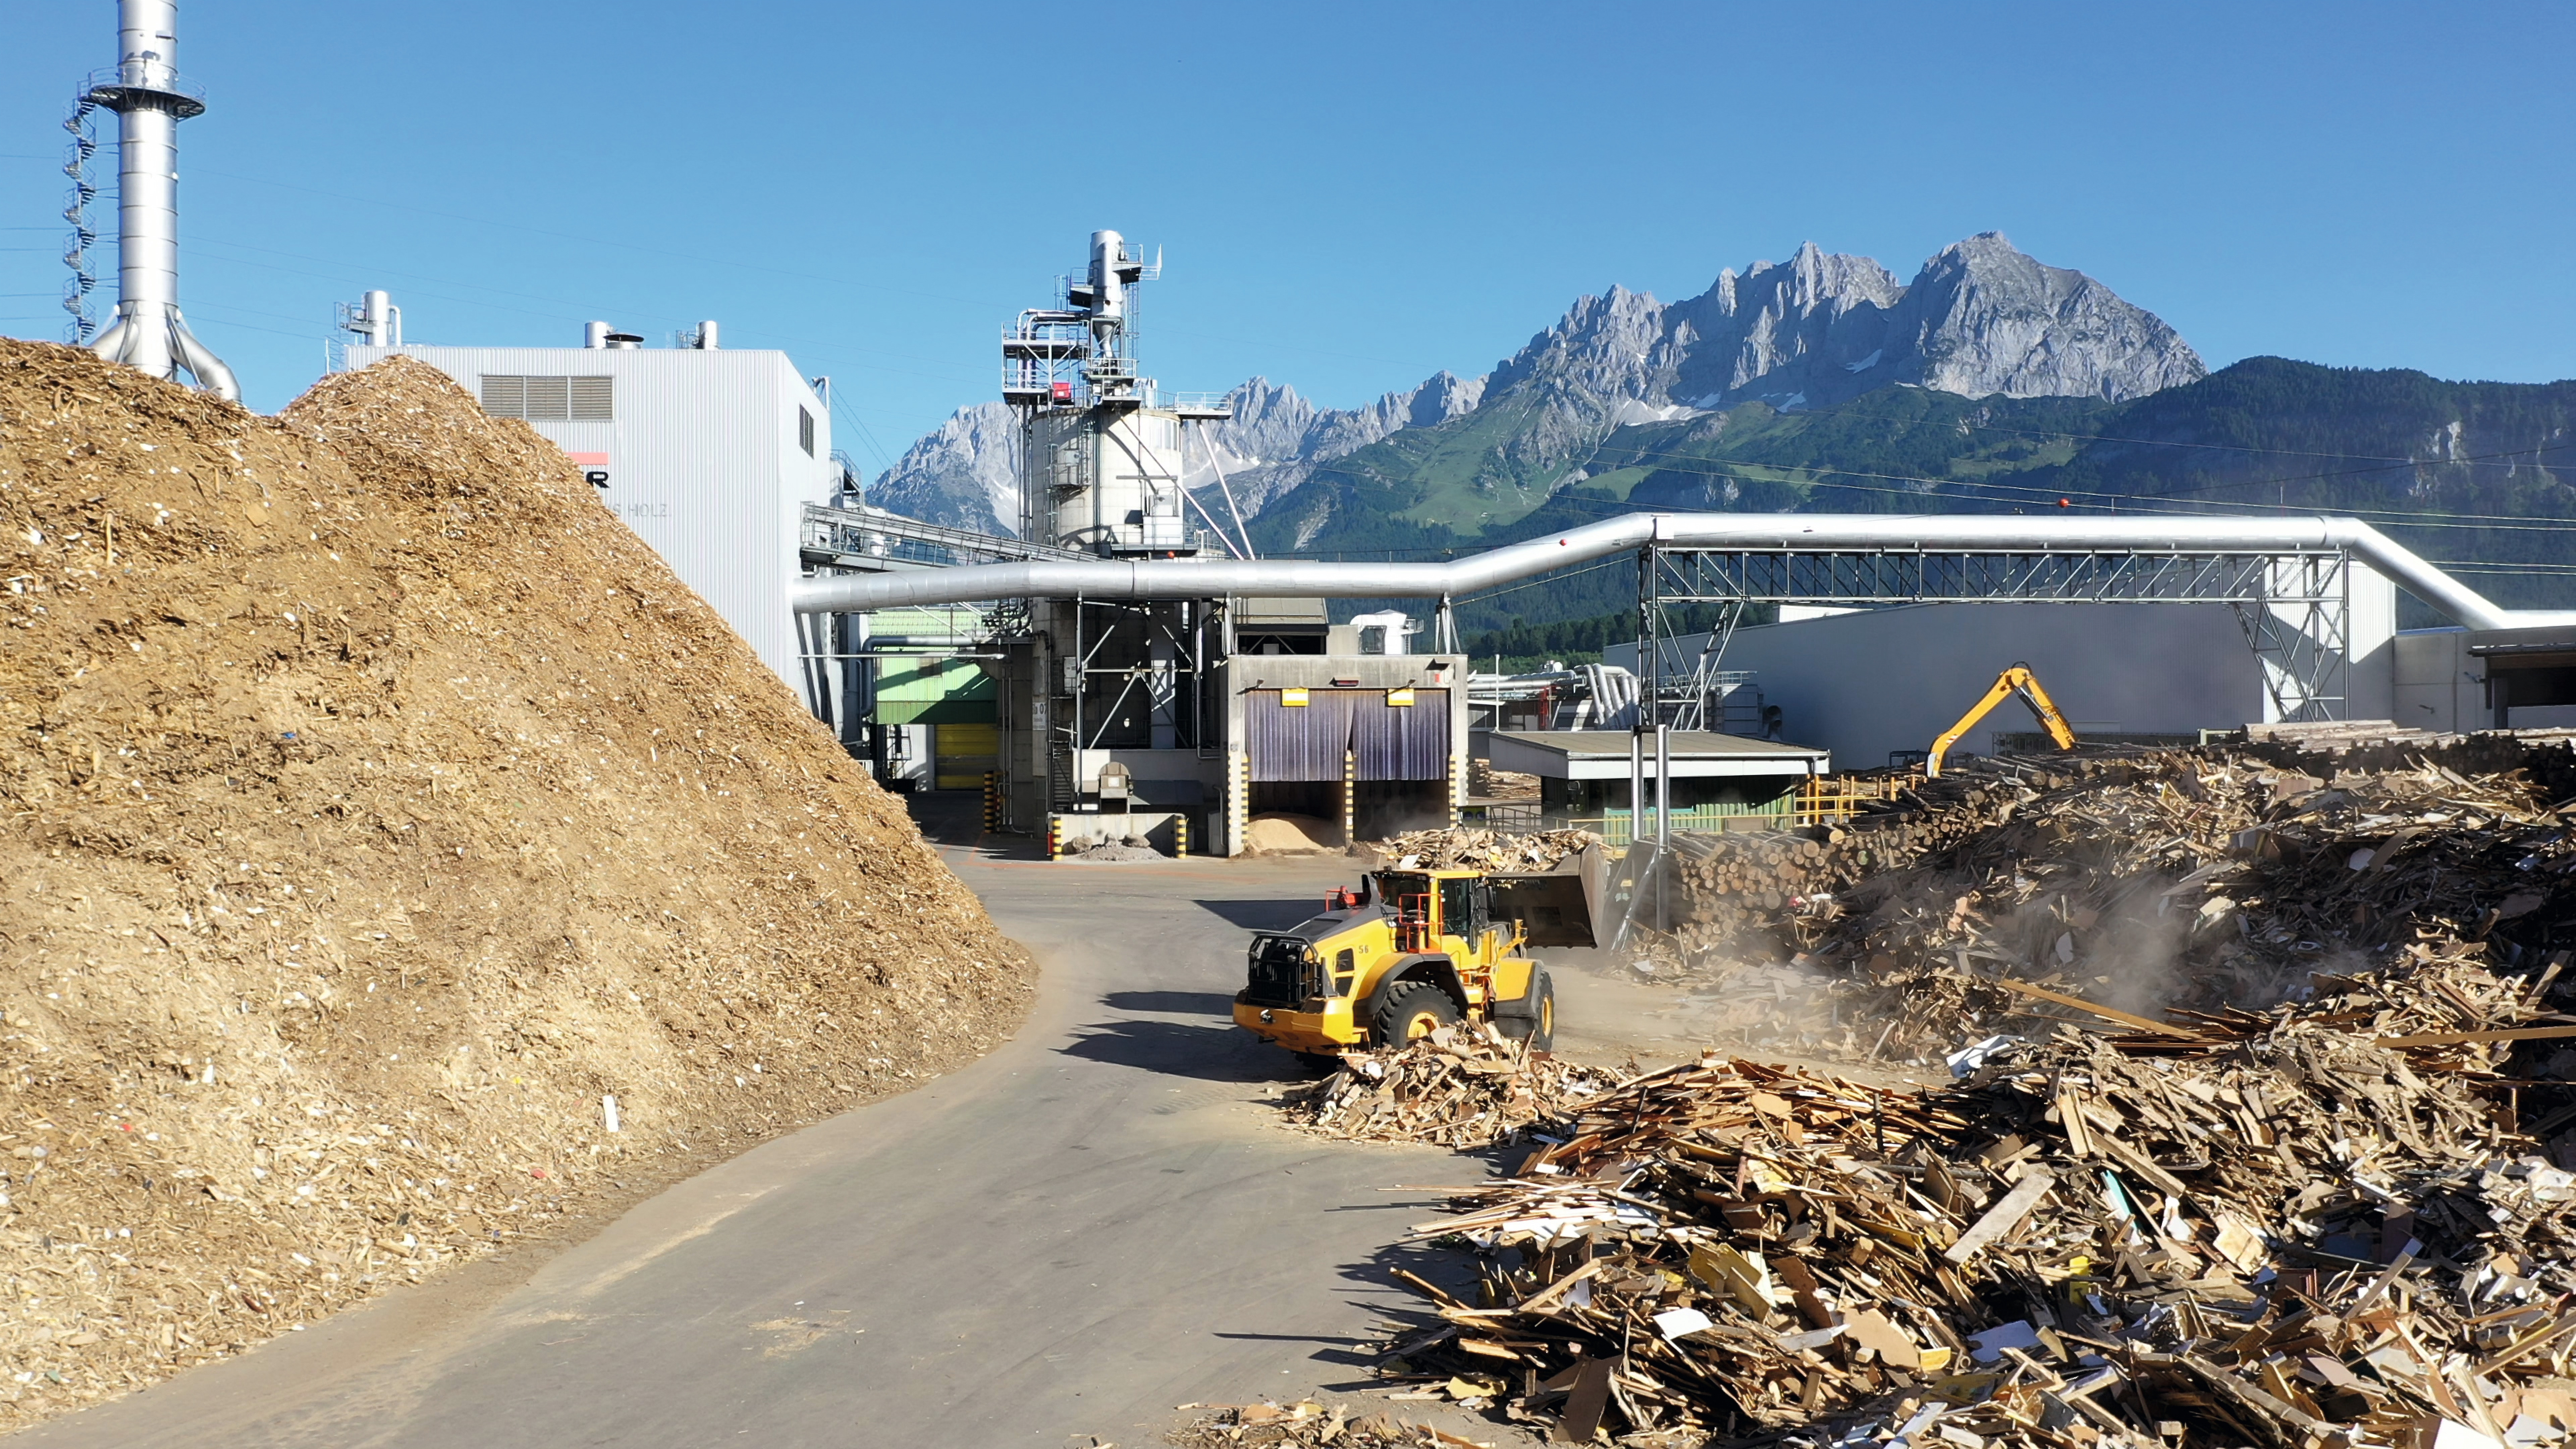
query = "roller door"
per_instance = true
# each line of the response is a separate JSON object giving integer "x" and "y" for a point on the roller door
{"x": 962, "y": 754}
{"x": 1402, "y": 742}
{"x": 1290, "y": 742}
{"x": 1297, "y": 741}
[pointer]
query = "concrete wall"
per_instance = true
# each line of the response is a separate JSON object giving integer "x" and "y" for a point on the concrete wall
{"x": 2440, "y": 686}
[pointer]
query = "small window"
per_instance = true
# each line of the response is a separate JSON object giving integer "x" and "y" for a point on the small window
{"x": 1457, "y": 916}
{"x": 550, "y": 399}
{"x": 1373, "y": 639}
{"x": 1342, "y": 964}
{"x": 805, "y": 431}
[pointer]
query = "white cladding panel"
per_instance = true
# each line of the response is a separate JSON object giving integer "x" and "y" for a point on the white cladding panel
{"x": 1867, "y": 684}
{"x": 704, "y": 462}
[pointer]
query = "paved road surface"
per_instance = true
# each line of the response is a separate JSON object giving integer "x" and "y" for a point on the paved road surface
{"x": 1073, "y": 1236}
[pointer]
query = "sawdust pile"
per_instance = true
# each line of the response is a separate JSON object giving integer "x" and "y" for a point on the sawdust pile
{"x": 1290, "y": 835}
{"x": 373, "y": 805}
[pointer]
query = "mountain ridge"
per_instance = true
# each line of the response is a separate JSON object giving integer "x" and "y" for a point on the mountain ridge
{"x": 1980, "y": 318}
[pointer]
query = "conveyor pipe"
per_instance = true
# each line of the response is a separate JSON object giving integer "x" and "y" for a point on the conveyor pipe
{"x": 1128, "y": 579}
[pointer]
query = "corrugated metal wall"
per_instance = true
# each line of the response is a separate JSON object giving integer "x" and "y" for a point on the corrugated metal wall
{"x": 1309, "y": 741}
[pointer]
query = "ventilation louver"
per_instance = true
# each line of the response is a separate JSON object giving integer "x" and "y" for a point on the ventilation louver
{"x": 550, "y": 399}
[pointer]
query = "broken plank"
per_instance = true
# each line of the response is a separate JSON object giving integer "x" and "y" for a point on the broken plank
{"x": 1584, "y": 1403}
{"x": 2105, "y": 1012}
{"x": 2462, "y": 1038}
{"x": 2002, "y": 1218}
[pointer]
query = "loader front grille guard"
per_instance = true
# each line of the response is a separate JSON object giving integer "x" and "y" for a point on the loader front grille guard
{"x": 1281, "y": 971}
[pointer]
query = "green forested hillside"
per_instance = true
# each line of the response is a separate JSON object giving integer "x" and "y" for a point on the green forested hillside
{"x": 2480, "y": 476}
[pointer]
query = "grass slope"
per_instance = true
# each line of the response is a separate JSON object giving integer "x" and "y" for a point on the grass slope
{"x": 2474, "y": 474}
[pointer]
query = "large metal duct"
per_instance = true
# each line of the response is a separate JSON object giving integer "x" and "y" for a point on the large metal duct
{"x": 150, "y": 102}
{"x": 1794, "y": 532}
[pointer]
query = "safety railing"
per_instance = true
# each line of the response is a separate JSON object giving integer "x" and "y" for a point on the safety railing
{"x": 1615, "y": 828}
{"x": 1832, "y": 799}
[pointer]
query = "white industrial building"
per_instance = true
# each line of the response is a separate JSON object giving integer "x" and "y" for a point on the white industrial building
{"x": 710, "y": 454}
{"x": 1870, "y": 683}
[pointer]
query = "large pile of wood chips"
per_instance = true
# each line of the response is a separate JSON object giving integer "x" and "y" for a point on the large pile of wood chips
{"x": 374, "y": 807}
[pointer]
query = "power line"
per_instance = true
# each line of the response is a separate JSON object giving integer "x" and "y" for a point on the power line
{"x": 1818, "y": 476}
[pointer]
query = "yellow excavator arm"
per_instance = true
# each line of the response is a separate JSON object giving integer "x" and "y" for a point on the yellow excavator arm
{"x": 2016, "y": 680}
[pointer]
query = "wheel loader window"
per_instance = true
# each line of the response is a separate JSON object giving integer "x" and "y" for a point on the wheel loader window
{"x": 1457, "y": 913}
{"x": 1344, "y": 963}
{"x": 1397, "y": 887}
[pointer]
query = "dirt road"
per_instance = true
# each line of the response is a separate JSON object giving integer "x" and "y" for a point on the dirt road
{"x": 1092, "y": 1225}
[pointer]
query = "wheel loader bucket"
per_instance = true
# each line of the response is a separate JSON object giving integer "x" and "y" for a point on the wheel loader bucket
{"x": 1560, "y": 907}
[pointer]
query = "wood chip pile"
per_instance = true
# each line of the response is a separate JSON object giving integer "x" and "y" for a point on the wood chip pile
{"x": 1457, "y": 1088}
{"x": 2316, "y": 1224}
{"x": 1469, "y": 848}
{"x": 374, "y": 805}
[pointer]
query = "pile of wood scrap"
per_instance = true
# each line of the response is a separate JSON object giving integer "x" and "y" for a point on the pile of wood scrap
{"x": 2204, "y": 881}
{"x": 1467, "y": 848}
{"x": 2175, "y": 878}
{"x": 1306, "y": 1424}
{"x": 1487, "y": 783}
{"x": 1743, "y": 892}
{"x": 401, "y": 862}
{"x": 1456, "y": 1087}
{"x": 2315, "y": 1224}
{"x": 2546, "y": 758}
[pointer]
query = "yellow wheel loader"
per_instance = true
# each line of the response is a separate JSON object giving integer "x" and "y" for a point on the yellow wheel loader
{"x": 1412, "y": 951}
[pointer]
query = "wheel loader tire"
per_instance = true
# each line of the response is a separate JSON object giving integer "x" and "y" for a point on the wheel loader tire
{"x": 1413, "y": 1011}
{"x": 1538, "y": 1027}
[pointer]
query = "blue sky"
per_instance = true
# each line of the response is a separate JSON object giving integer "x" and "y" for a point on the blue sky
{"x": 1350, "y": 197}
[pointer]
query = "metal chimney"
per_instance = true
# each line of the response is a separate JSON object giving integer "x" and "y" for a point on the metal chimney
{"x": 150, "y": 101}
{"x": 374, "y": 318}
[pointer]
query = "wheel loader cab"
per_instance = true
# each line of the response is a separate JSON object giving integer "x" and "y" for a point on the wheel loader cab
{"x": 1411, "y": 952}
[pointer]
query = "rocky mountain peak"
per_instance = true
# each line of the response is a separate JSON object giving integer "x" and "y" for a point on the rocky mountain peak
{"x": 1979, "y": 318}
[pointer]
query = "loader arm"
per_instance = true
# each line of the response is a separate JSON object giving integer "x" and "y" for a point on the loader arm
{"x": 2016, "y": 680}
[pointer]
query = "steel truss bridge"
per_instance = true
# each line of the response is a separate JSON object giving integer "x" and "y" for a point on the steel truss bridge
{"x": 2294, "y": 603}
